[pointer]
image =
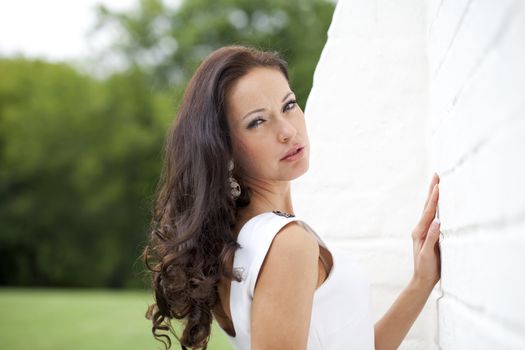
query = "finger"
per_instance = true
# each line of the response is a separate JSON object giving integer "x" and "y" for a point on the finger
{"x": 430, "y": 211}
{"x": 432, "y": 236}
{"x": 433, "y": 182}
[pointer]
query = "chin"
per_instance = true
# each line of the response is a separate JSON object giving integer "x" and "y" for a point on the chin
{"x": 302, "y": 170}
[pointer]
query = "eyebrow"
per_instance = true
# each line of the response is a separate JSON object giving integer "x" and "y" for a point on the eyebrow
{"x": 262, "y": 109}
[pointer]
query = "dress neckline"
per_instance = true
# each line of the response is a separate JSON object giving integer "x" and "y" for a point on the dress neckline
{"x": 276, "y": 212}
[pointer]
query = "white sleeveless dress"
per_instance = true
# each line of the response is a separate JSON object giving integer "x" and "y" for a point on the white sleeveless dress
{"x": 340, "y": 318}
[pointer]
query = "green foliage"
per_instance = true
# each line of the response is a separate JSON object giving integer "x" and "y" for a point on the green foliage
{"x": 170, "y": 42}
{"x": 78, "y": 160}
{"x": 80, "y": 157}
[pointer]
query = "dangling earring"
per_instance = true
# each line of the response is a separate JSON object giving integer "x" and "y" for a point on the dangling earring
{"x": 235, "y": 187}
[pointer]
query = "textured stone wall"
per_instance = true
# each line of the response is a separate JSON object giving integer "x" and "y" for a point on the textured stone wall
{"x": 403, "y": 89}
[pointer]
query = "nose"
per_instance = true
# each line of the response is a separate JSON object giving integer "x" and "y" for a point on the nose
{"x": 286, "y": 132}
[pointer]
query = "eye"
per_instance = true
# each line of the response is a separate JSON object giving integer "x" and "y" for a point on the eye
{"x": 293, "y": 102}
{"x": 254, "y": 123}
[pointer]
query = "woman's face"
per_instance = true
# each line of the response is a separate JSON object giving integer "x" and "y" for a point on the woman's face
{"x": 265, "y": 124}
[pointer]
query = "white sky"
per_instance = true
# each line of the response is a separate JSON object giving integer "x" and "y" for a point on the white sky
{"x": 55, "y": 29}
{"x": 52, "y": 29}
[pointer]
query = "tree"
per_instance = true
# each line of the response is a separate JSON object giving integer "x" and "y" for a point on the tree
{"x": 78, "y": 159}
{"x": 169, "y": 42}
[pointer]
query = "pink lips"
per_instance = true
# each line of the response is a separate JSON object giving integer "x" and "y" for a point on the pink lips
{"x": 294, "y": 154}
{"x": 292, "y": 150}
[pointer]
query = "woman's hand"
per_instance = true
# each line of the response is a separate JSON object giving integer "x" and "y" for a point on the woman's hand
{"x": 392, "y": 328}
{"x": 427, "y": 256}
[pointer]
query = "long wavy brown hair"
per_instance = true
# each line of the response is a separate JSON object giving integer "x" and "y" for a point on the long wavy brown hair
{"x": 193, "y": 213}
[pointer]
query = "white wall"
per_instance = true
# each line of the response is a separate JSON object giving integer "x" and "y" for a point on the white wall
{"x": 368, "y": 175}
{"x": 477, "y": 87}
{"x": 403, "y": 89}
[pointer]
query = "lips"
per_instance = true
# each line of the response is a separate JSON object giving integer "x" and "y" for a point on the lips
{"x": 293, "y": 150}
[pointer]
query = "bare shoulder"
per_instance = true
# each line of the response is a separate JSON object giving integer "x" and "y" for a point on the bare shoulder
{"x": 284, "y": 289}
{"x": 293, "y": 250}
{"x": 293, "y": 237}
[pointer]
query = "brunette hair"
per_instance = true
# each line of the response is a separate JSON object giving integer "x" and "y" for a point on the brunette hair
{"x": 193, "y": 212}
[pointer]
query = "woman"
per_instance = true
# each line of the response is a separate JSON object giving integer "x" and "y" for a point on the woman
{"x": 224, "y": 229}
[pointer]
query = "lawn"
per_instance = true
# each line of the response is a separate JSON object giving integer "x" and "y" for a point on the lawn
{"x": 56, "y": 319}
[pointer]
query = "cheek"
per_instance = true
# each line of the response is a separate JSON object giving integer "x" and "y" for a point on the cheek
{"x": 254, "y": 155}
{"x": 243, "y": 152}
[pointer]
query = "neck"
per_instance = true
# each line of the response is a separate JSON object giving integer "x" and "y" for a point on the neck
{"x": 268, "y": 197}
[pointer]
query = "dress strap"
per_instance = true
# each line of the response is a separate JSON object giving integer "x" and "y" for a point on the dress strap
{"x": 305, "y": 226}
{"x": 255, "y": 240}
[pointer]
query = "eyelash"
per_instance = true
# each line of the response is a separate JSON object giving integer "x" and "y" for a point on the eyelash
{"x": 253, "y": 123}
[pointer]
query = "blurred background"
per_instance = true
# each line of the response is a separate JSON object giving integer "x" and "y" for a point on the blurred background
{"x": 87, "y": 92}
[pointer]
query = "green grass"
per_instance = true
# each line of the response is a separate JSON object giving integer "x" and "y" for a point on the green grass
{"x": 55, "y": 319}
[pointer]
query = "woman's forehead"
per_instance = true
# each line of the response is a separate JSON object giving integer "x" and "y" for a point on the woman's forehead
{"x": 259, "y": 88}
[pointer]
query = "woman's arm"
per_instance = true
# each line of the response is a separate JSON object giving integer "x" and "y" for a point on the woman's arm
{"x": 392, "y": 328}
{"x": 284, "y": 291}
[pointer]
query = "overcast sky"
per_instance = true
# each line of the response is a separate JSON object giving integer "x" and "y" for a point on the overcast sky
{"x": 51, "y": 29}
